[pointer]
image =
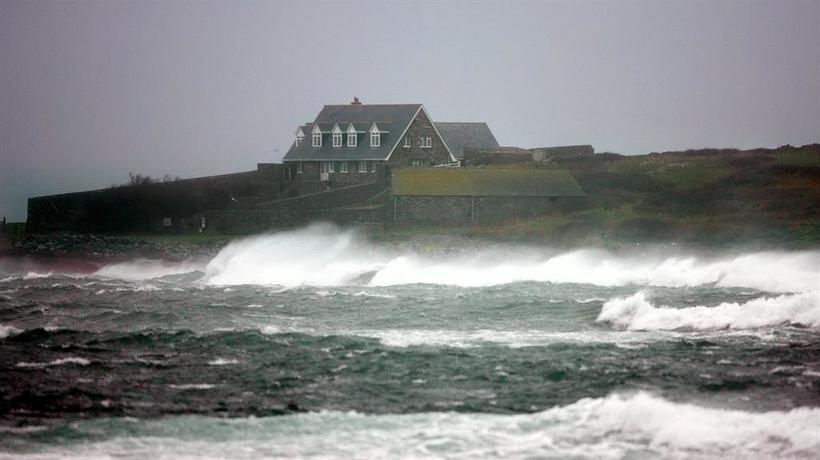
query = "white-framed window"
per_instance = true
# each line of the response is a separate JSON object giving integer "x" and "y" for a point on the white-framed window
{"x": 425, "y": 142}
{"x": 417, "y": 163}
{"x": 375, "y": 139}
{"x": 337, "y": 139}
{"x": 372, "y": 166}
{"x": 343, "y": 167}
{"x": 317, "y": 137}
{"x": 300, "y": 137}
{"x": 299, "y": 168}
{"x": 362, "y": 166}
{"x": 407, "y": 142}
{"x": 328, "y": 167}
{"x": 352, "y": 141}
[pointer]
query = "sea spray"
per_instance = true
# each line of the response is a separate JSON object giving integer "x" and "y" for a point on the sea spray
{"x": 145, "y": 269}
{"x": 319, "y": 255}
{"x": 325, "y": 255}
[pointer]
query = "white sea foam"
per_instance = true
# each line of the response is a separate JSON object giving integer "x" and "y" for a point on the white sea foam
{"x": 323, "y": 255}
{"x": 36, "y": 275}
{"x": 57, "y": 362}
{"x": 222, "y": 362}
{"x": 636, "y": 312}
{"x": 192, "y": 386}
{"x": 618, "y": 426}
{"x": 7, "y": 331}
{"x": 144, "y": 269}
{"x": 513, "y": 339}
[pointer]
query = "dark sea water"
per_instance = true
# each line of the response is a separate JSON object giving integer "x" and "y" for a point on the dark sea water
{"x": 315, "y": 344}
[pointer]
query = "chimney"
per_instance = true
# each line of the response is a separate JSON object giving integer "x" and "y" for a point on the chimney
{"x": 356, "y": 101}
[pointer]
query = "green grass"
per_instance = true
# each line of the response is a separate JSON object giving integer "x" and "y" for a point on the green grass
{"x": 692, "y": 173}
{"x": 797, "y": 159}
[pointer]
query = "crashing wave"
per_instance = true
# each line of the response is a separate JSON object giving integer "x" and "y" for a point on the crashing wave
{"x": 637, "y": 313}
{"x": 144, "y": 269}
{"x": 323, "y": 255}
{"x": 639, "y": 425}
{"x": 8, "y": 331}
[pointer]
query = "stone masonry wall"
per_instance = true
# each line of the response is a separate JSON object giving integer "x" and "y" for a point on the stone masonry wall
{"x": 435, "y": 155}
{"x": 452, "y": 210}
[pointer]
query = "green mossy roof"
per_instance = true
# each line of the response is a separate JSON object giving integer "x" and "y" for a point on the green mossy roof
{"x": 485, "y": 182}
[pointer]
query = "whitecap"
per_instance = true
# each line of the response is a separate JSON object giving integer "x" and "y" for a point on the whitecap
{"x": 57, "y": 362}
{"x": 222, "y": 362}
{"x": 636, "y": 312}
{"x": 7, "y": 331}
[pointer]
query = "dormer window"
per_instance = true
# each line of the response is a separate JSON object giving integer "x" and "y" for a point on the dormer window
{"x": 337, "y": 136}
{"x": 300, "y": 137}
{"x": 375, "y": 136}
{"x": 351, "y": 136}
{"x": 407, "y": 142}
{"x": 317, "y": 137}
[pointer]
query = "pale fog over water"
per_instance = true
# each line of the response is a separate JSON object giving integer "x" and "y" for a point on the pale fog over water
{"x": 317, "y": 343}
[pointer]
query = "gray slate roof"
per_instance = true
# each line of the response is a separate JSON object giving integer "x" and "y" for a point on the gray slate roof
{"x": 458, "y": 135}
{"x": 394, "y": 118}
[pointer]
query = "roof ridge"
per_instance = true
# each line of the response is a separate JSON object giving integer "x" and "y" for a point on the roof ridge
{"x": 365, "y": 105}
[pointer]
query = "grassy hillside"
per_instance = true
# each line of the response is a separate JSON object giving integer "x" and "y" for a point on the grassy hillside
{"x": 727, "y": 198}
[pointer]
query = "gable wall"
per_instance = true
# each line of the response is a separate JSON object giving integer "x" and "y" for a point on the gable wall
{"x": 421, "y": 126}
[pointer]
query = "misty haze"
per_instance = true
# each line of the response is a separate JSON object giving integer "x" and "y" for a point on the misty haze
{"x": 448, "y": 230}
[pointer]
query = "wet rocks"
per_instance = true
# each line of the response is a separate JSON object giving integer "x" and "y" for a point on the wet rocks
{"x": 105, "y": 246}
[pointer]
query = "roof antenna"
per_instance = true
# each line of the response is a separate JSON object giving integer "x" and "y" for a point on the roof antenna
{"x": 356, "y": 101}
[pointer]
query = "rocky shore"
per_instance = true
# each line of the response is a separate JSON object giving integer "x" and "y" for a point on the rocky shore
{"x": 112, "y": 247}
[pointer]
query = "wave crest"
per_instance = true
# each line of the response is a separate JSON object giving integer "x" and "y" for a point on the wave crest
{"x": 324, "y": 255}
{"x": 639, "y": 425}
{"x": 637, "y": 313}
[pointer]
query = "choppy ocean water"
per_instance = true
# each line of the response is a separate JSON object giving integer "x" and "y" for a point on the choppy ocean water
{"x": 315, "y": 344}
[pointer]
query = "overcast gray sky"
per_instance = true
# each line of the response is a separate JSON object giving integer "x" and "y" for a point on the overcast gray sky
{"x": 91, "y": 90}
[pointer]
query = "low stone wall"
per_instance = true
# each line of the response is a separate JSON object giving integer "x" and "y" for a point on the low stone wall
{"x": 496, "y": 156}
{"x": 247, "y": 221}
{"x": 335, "y": 198}
{"x": 144, "y": 207}
{"x": 443, "y": 210}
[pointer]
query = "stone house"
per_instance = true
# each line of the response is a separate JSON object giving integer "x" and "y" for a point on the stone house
{"x": 359, "y": 143}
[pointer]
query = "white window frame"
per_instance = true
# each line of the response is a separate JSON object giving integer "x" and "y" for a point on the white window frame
{"x": 375, "y": 139}
{"x": 425, "y": 142}
{"x": 343, "y": 167}
{"x": 337, "y": 139}
{"x": 407, "y": 142}
{"x": 372, "y": 166}
{"x": 317, "y": 138}
{"x": 299, "y": 140}
{"x": 299, "y": 167}
{"x": 417, "y": 163}
{"x": 331, "y": 167}
{"x": 352, "y": 141}
{"x": 362, "y": 166}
